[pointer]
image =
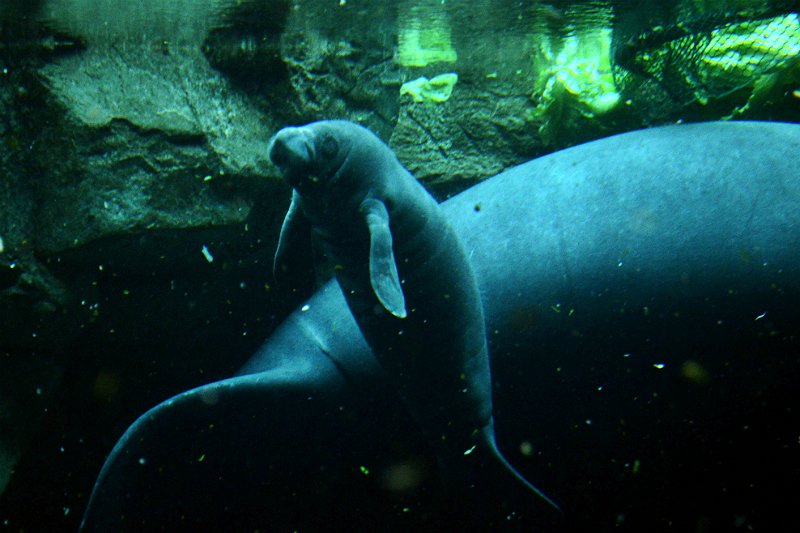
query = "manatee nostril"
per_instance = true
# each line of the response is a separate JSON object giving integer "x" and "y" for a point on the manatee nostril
{"x": 278, "y": 152}
{"x": 289, "y": 150}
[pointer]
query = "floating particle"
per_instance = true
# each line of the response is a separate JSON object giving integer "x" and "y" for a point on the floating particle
{"x": 402, "y": 477}
{"x": 526, "y": 448}
{"x": 694, "y": 372}
{"x": 106, "y": 386}
{"x": 207, "y": 254}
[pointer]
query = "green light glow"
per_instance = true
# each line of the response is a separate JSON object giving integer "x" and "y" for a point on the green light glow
{"x": 438, "y": 89}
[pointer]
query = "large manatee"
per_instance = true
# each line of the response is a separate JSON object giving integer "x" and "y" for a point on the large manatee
{"x": 616, "y": 278}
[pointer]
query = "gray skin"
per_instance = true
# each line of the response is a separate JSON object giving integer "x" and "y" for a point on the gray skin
{"x": 405, "y": 276}
{"x": 698, "y": 223}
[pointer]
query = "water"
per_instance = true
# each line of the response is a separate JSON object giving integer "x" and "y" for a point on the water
{"x": 133, "y": 149}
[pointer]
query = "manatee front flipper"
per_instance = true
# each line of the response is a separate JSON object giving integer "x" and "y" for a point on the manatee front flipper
{"x": 382, "y": 267}
{"x": 293, "y": 264}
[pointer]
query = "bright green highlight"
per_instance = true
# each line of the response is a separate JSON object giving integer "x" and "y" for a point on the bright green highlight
{"x": 438, "y": 89}
{"x": 577, "y": 69}
{"x": 740, "y": 54}
{"x": 424, "y": 35}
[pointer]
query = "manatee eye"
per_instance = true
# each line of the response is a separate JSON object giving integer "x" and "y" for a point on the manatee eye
{"x": 329, "y": 146}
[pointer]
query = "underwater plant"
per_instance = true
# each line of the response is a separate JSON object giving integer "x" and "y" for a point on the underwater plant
{"x": 437, "y": 89}
{"x": 573, "y": 75}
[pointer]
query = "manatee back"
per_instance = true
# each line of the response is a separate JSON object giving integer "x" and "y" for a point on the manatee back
{"x": 678, "y": 206}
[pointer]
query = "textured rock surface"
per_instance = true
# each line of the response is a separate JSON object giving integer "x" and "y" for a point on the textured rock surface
{"x": 477, "y": 133}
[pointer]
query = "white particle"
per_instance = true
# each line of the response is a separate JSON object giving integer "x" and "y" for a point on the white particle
{"x": 207, "y": 254}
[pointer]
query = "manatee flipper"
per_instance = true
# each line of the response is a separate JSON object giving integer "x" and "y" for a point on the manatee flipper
{"x": 382, "y": 267}
{"x": 293, "y": 257}
{"x": 179, "y": 467}
{"x": 488, "y": 439}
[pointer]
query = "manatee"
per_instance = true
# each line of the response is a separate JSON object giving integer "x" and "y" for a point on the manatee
{"x": 406, "y": 277}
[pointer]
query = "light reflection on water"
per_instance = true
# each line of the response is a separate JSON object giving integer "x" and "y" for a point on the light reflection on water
{"x": 478, "y": 36}
{"x": 483, "y": 36}
{"x": 97, "y": 20}
{"x": 191, "y": 20}
{"x": 556, "y": 50}
{"x": 474, "y": 23}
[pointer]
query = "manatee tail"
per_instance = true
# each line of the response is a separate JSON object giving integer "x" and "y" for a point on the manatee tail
{"x": 488, "y": 439}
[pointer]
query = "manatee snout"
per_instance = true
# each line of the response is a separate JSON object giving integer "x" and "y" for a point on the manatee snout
{"x": 291, "y": 150}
